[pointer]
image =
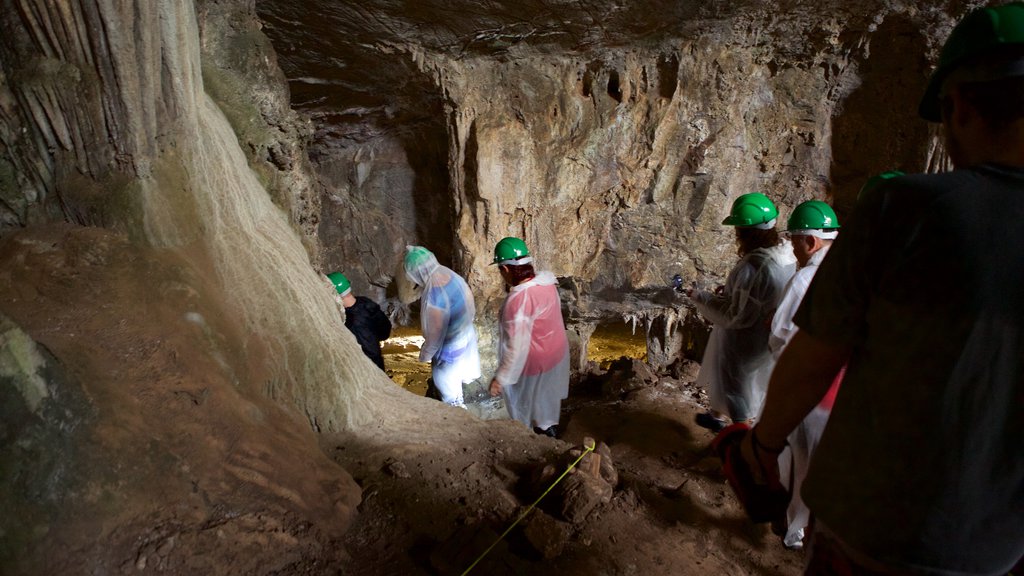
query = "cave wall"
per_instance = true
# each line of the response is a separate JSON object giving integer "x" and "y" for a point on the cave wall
{"x": 160, "y": 256}
{"x": 612, "y": 139}
{"x": 619, "y": 172}
{"x": 240, "y": 72}
{"x": 614, "y": 156}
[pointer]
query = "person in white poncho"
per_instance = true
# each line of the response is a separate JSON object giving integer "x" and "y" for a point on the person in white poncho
{"x": 812, "y": 227}
{"x": 737, "y": 363}
{"x": 533, "y": 350}
{"x": 446, "y": 317}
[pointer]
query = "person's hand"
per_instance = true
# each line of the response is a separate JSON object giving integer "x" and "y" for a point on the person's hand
{"x": 495, "y": 388}
{"x": 762, "y": 461}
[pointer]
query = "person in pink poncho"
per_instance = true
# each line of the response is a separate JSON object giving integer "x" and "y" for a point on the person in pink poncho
{"x": 533, "y": 350}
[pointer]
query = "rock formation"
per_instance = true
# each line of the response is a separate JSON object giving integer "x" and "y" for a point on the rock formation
{"x": 612, "y": 136}
{"x": 154, "y": 179}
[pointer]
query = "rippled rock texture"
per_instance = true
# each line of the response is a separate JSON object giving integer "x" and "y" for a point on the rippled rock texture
{"x": 612, "y": 136}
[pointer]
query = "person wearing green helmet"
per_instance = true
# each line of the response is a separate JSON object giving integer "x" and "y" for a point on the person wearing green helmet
{"x": 508, "y": 249}
{"x": 447, "y": 311}
{"x": 737, "y": 362}
{"x": 920, "y": 469}
{"x": 812, "y": 227}
{"x": 363, "y": 318}
{"x": 876, "y": 180}
{"x": 533, "y": 349}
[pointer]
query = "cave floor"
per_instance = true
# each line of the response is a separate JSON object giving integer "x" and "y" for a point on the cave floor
{"x": 433, "y": 508}
{"x": 184, "y": 471}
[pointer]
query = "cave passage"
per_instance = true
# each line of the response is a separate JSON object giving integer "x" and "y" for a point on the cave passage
{"x": 613, "y": 340}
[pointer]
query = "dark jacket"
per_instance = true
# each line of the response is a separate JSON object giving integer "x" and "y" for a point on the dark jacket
{"x": 369, "y": 325}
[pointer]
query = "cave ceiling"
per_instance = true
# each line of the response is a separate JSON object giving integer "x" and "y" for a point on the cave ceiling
{"x": 351, "y": 60}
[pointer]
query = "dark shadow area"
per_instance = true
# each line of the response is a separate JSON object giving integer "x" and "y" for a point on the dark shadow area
{"x": 877, "y": 127}
{"x": 668, "y": 75}
{"x": 645, "y": 432}
{"x": 427, "y": 150}
{"x": 614, "y": 89}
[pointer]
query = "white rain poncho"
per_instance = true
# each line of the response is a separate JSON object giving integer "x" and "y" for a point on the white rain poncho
{"x": 533, "y": 352}
{"x": 783, "y": 327}
{"x": 737, "y": 362}
{"x": 447, "y": 310}
{"x": 804, "y": 439}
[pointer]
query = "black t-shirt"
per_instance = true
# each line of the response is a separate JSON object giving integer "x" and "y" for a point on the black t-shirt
{"x": 369, "y": 325}
{"x": 922, "y": 462}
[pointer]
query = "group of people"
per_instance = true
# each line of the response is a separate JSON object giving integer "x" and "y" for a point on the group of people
{"x": 752, "y": 316}
{"x": 918, "y": 310}
{"x": 533, "y": 351}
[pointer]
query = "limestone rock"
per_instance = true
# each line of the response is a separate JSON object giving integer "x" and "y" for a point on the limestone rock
{"x": 545, "y": 535}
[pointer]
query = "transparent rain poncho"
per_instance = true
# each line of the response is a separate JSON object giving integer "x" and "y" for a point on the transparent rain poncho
{"x": 533, "y": 352}
{"x": 447, "y": 310}
{"x": 737, "y": 362}
{"x": 804, "y": 439}
{"x": 783, "y": 327}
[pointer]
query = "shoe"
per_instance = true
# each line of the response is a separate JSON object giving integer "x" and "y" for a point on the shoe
{"x": 794, "y": 540}
{"x": 708, "y": 420}
{"x": 551, "y": 431}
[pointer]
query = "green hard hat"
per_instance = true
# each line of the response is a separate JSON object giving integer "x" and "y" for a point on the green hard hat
{"x": 750, "y": 210}
{"x": 982, "y": 31}
{"x": 878, "y": 179}
{"x": 341, "y": 283}
{"x": 510, "y": 248}
{"x": 416, "y": 256}
{"x": 812, "y": 215}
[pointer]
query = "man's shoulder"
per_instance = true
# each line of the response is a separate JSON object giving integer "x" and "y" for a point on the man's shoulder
{"x": 983, "y": 175}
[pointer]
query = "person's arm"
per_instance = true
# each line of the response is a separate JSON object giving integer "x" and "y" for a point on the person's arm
{"x": 783, "y": 328}
{"x": 741, "y": 305}
{"x": 801, "y": 378}
{"x": 434, "y": 321}
{"x": 516, "y": 331}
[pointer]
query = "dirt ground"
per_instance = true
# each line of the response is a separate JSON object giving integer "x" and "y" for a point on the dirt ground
{"x": 174, "y": 464}
{"x": 437, "y": 510}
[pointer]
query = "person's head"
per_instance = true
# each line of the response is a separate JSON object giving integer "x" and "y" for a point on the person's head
{"x": 754, "y": 217}
{"x": 419, "y": 264}
{"x": 513, "y": 260}
{"x": 876, "y": 180}
{"x": 977, "y": 90}
{"x": 343, "y": 288}
{"x": 811, "y": 227}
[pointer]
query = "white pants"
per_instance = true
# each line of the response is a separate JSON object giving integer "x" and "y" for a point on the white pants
{"x": 802, "y": 443}
{"x": 450, "y": 376}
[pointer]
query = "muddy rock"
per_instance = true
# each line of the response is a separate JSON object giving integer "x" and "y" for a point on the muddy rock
{"x": 545, "y": 535}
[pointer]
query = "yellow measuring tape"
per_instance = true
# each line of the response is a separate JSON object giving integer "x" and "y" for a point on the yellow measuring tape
{"x": 588, "y": 447}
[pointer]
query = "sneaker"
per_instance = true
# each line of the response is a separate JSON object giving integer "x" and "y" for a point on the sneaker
{"x": 708, "y": 420}
{"x": 550, "y": 431}
{"x": 794, "y": 540}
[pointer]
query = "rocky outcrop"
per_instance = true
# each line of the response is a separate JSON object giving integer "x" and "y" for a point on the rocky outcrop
{"x": 202, "y": 345}
{"x": 612, "y": 137}
{"x": 131, "y": 438}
